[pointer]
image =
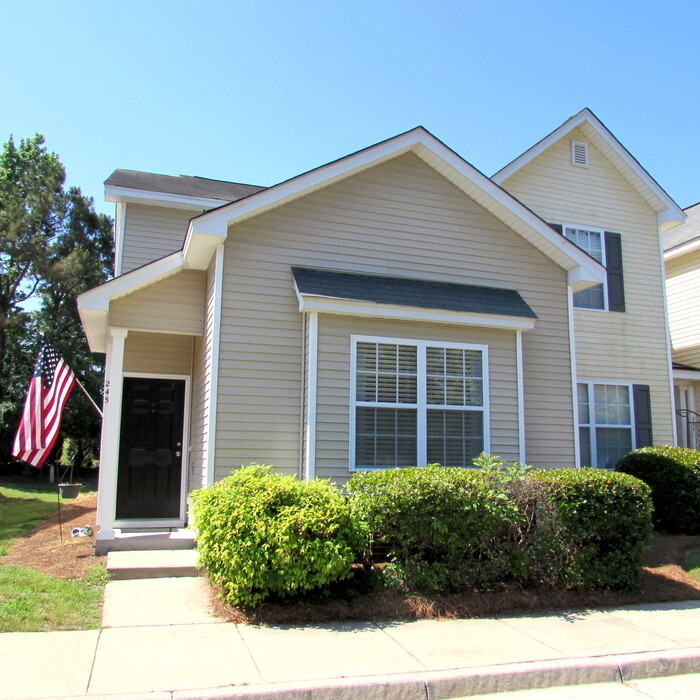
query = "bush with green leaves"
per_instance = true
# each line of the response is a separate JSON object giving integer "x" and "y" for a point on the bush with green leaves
{"x": 607, "y": 521}
{"x": 674, "y": 476}
{"x": 448, "y": 529}
{"x": 261, "y": 534}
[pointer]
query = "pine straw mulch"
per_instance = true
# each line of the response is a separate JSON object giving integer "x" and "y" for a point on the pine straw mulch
{"x": 663, "y": 580}
{"x": 42, "y": 548}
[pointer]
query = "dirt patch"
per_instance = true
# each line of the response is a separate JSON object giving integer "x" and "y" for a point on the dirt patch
{"x": 663, "y": 579}
{"x": 42, "y": 548}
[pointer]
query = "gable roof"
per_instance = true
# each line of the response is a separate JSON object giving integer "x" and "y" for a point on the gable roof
{"x": 199, "y": 192}
{"x": 210, "y": 228}
{"x": 686, "y": 237}
{"x": 381, "y": 289}
{"x": 669, "y": 214}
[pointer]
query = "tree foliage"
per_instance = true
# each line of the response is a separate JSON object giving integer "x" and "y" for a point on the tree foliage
{"x": 53, "y": 246}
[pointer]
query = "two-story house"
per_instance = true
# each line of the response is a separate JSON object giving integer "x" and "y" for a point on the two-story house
{"x": 682, "y": 257}
{"x": 394, "y": 307}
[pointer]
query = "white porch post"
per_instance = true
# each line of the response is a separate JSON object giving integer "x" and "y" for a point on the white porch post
{"x": 109, "y": 444}
{"x": 311, "y": 398}
{"x": 521, "y": 396}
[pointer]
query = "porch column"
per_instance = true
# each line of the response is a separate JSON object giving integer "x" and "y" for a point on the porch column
{"x": 521, "y": 396}
{"x": 109, "y": 444}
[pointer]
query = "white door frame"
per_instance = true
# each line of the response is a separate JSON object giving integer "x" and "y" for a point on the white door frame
{"x": 184, "y": 477}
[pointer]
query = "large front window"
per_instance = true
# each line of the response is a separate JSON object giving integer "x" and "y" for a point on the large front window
{"x": 605, "y": 423}
{"x": 418, "y": 402}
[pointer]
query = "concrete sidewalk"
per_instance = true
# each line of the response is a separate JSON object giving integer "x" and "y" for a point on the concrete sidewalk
{"x": 158, "y": 639}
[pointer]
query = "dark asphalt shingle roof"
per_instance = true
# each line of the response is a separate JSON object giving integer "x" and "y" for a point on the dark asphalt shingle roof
{"x": 411, "y": 292}
{"x": 182, "y": 184}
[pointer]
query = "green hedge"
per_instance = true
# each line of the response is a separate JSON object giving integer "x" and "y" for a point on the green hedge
{"x": 261, "y": 534}
{"x": 445, "y": 528}
{"x": 674, "y": 476}
{"x": 607, "y": 519}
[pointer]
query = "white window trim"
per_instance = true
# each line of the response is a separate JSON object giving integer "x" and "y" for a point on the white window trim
{"x": 422, "y": 405}
{"x": 604, "y": 261}
{"x": 591, "y": 414}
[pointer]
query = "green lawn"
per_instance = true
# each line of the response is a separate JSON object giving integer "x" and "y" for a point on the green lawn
{"x": 22, "y": 508}
{"x": 30, "y": 600}
{"x": 692, "y": 564}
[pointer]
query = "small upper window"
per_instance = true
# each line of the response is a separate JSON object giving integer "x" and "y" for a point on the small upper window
{"x": 579, "y": 153}
{"x": 593, "y": 242}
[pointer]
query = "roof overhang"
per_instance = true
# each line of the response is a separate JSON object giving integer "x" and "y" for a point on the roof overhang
{"x": 210, "y": 228}
{"x": 668, "y": 213}
{"x": 93, "y": 305}
{"x": 683, "y": 249}
{"x": 118, "y": 194}
{"x": 687, "y": 374}
{"x": 401, "y": 312}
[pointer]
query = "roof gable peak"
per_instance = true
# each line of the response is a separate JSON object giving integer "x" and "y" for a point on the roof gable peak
{"x": 669, "y": 214}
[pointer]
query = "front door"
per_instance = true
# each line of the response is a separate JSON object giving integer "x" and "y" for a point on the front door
{"x": 150, "y": 449}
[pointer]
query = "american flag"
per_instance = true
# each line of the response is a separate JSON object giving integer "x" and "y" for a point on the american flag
{"x": 49, "y": 390}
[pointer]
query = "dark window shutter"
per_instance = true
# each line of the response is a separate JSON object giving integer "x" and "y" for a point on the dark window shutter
{"x": 642, "y": 415}
{"x": 613, "y": 264}
{"x": 558, "y": 228}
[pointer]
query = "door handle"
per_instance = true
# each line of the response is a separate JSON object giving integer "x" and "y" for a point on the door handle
{"x": 178, "y": 454}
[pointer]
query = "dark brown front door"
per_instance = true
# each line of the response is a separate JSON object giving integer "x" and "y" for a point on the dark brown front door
{"x": 150, "y": 448}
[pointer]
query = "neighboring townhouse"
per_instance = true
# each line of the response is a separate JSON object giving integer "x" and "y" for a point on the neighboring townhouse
{"x": 682, "y": 258}
{"x": 395, "y": 307}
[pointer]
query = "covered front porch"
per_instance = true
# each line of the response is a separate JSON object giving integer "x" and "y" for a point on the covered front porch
{"x": 151, "y": 453}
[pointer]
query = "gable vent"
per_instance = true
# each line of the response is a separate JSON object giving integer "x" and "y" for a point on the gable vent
{"x": 579, "y": 153}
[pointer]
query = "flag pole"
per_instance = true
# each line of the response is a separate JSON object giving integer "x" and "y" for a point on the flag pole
{"x": 90, "y": 399}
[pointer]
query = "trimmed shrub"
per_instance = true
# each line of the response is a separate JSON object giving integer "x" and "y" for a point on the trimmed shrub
{"x": 261, "y": 534}
{"x": 674, "y": 476}
{"x": 445, "y": 529}
{"x": 607, "y": 519}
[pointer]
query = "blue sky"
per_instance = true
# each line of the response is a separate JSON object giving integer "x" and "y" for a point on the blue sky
{"x": 258, "y": 92}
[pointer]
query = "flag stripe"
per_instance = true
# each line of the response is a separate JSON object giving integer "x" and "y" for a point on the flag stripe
{"x": 49, "y": 390}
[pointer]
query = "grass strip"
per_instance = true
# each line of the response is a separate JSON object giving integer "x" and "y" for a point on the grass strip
{"x": 32, "y": 601}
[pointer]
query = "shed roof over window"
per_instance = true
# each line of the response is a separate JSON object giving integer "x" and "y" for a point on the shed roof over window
{"x": 402, "y": 291}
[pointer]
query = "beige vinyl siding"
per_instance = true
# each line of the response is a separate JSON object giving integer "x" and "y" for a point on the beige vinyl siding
{"x": 683, "y": 293}
{"x": 151, "y": 233}
{"x": 158, "y": 353}
{"x": 173, "y": 305}
{"x": 201, "y": 387}
{"x": 332, "y": 430}
{"x": 399, "y": 218}
{"x": 610, "y": 346}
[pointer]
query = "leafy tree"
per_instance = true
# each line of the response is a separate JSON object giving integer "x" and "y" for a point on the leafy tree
{"x": 53, "y": 246}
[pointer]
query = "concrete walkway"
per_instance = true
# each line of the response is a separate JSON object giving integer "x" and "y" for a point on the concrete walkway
{"x": 159, "y": 640}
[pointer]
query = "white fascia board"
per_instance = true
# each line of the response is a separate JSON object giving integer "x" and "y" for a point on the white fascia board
{"x": 350, "y": 307}
{"x": 535, "y": 230}
{"x": 115, "y": 193}
{"x": 320, "y": 177}
{"x": 668, "y": 211}
{"x": 418, "y": 141}
{"x": 201, "y": 242}
{"x": 93, "y": 305}
{"x": 99, "y": 297}
{"x": 684, "y": 249}
{"x": 686, "y": 374}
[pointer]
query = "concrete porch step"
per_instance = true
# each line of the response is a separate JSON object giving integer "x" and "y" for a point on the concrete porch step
{"x": 152, "y": 564}
{"x": 129, "y": 539}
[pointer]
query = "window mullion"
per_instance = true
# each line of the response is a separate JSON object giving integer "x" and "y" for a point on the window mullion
{"x": 422, "y": 415}
{"x": 593, "y": 425}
